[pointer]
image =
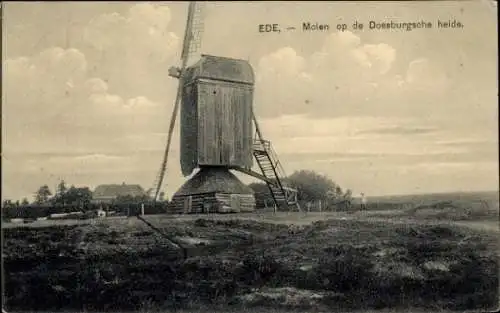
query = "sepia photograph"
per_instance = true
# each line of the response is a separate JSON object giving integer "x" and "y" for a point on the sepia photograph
{"x": 259, "y": 156}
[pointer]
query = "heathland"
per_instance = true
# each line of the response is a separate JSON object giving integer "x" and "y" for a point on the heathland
{"x": 436, "y": 252}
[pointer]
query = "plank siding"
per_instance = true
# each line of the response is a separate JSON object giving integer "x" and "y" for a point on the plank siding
{"x": 189, "y": 130}
{"x": 218, "y": 203}
{"x": 216, "y": 114}
{"x": 224, "y": 124}
{"x": 177, "y": 204}
{"x": 246, "y": 203}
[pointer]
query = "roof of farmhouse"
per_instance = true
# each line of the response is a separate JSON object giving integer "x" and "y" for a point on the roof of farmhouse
{"x": 115, "y": 190}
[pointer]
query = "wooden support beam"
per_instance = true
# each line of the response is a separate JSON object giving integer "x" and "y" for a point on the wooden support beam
{"x": 254, "y": 174}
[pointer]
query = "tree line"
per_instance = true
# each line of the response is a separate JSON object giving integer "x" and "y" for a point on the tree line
{"x": 70, "y": 196}
{"x": 66, "y": 199}
{"x": 63, "y": 196}
{"x": 310, "y": 185}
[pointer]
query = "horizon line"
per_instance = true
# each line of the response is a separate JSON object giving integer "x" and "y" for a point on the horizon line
{"x": 354, "y": 197}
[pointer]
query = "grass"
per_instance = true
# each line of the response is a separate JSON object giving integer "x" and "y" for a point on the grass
{"x": 352, "y": 264}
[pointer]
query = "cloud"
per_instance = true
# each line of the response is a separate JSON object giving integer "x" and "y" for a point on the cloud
{"x": 280, "y": 75}
{"x": 134, "y": 50}
{"x": 97, "y": 157}
{"x": 61, "y": 119}
{"x": 39, "y": 85}
{"x": 96, "y": 86}
{"x": 356, "y": 136}
{"x": 454, "y": 167}
{"x": 76, "y": 162}
{"x": 465, "y": 141}
{"x": 91, "y": 102}
{"x": 350, "y": 151}
{"x": 400, "y": 130}
{"x": 51, "y": 103}
{"x": 387, "y": 159}
{"x": 423, "y": 74}
{"x": 378, "y": 57}
{"x": 345, "y": 77}
{"x": 299, "y": 125}
{"x": 142, "y": 31}
{"x": 283, "y": 63}
{"x": 343, "y": 49}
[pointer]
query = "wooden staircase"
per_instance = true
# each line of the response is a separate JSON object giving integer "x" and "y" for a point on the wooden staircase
{"x": 285, "y": 198}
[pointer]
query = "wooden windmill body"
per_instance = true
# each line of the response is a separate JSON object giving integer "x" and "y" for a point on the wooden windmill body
{"x": 217, "y": 124}
{"x": 216, "y": 135}
{"x": 216, "y": 114}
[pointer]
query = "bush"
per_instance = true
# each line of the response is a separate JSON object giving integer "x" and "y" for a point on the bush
{"x": 343, "y": 269}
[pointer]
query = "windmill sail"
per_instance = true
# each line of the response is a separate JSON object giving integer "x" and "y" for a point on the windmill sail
{"x": 194, "y": 31}
{"x": 191, "y": 44}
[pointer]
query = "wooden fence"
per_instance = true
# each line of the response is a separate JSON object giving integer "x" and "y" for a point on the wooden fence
{"x": 314, "y": 206}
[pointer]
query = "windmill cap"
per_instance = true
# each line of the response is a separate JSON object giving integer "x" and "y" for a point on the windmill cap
{"x": 221, "y": 69}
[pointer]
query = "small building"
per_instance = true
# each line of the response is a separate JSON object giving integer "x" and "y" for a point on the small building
{"x": 213, "y": 190}
{"x": 106, "y": 194}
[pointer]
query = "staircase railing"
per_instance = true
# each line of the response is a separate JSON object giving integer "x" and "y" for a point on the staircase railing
{"x": 261, "y": 144}
{"x": 265, "y": 145}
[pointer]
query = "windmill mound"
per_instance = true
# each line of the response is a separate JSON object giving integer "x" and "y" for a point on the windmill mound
{"x": 212, "y": 179}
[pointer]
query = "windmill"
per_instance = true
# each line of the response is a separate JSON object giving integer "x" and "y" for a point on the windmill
{"x": 192, "y": 41}
{"x": 217, "y": 123}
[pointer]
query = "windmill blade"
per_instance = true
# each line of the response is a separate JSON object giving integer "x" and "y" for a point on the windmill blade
{"x": 192, "y": 41}
{"x": 194, "y": 30}
{"x": 169, "y": 141}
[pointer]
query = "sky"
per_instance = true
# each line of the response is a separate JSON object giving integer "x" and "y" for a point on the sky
{"x": 87, "y": 97}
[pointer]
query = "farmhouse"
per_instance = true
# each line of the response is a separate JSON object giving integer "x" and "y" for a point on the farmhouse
{"x": 109, "y": 193}
{"x": 211, "y": 190}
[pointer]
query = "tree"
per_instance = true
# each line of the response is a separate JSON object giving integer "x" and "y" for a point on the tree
{"x": 25, "y": 201}
{"x": 42, "y": 194}
{"x": 313, "y": 186}
{"x": 60, "y": 195}
{"x": 61, "y": 188}
{"x": 259, "y": 188}
{"x": 80, "y": 196}
{"x": 348, "y": 195}
{"x": 7, "y": 203}
{"x": 339, "y": 194}
{"x": 310, "y": 185}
